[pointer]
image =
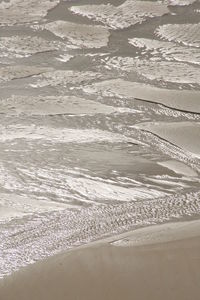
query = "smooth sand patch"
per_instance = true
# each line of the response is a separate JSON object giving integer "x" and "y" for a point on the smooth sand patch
{"x": 20, "y": 71}
{"x": 79, "y": 35}
{"x": 53, "y": 105}
{"x": 160, "y": 234}
{"x": 179, "y": 168}
{"x": 185, "y": 135}
{"x": 184, "y": 100}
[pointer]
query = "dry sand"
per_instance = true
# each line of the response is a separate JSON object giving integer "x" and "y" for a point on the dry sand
{"x": 166, "y": 269}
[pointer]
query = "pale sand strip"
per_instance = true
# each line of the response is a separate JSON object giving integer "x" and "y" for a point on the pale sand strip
{"x": 185, "y": 135}
{"x": 160, "y": 234}
{"x": 168, "y": 269}
{"x": 183, "y": 100}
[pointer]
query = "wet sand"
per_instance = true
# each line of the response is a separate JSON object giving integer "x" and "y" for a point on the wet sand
{"x": 163, "y": 269}
{"x": 183, "y": 134}
{"x": 100, "y": 119}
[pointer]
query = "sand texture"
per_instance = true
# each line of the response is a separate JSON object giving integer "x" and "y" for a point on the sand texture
{"x": 163, "y": 270}
{"x": 99, "y": 139}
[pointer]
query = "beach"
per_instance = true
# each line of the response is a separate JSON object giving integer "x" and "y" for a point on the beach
{"x": 99, "y": 149}
{"x": 167, "y": 270}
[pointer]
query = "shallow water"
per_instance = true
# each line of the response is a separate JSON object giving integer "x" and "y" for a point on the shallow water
{"x": 99, "y": 127}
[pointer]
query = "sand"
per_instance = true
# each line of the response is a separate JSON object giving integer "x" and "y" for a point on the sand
{"x": 184, "y": 100}
{"x": 53, "y": 105}
{"x": 168, "y": 50}
{"x": 81, "y": 36}
{"x": 118, "y": 17}
{"x": 166, "y": 269}
{"x": 185, "y": 135}
{"x": 74, "y": 167}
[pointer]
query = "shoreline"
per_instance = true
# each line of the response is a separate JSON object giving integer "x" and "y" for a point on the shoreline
{"x": 148, "y": 263}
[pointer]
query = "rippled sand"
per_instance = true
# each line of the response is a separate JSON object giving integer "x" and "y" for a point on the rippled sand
{"x": 152, "y": 267}
{"x": 127, "y": 14}
{"x": 187, "y": 34}
{"x": 159, "y": 71}
{"x": 24, "y": 46}
{"x": 168, "y": 50}
{"x": 99, "y": 130}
